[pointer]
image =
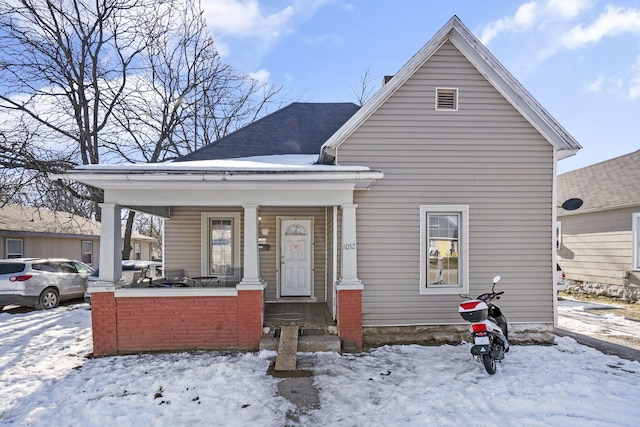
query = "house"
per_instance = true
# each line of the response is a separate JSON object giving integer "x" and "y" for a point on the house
{"x": 599, "y": 246}
{"x": 29, "y": 232}
{"x": 382, "y": 215}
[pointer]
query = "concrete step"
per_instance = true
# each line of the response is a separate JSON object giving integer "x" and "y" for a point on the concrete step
{"x": 309, "y": 339}
{"x": 307, "y": 344}
{"x": 287, "y": 349}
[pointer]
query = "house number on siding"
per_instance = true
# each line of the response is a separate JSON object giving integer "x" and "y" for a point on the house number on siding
{"x": 349, "y": 246}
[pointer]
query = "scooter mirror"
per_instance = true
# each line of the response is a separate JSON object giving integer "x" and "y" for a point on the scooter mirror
{"x": 496, "y": 279}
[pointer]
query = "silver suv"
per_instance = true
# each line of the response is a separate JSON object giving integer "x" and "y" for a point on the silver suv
{"x": 133, "y": 272}
{"x": 41, "y": 282}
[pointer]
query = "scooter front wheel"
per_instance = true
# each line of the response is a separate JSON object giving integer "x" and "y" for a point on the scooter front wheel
{"x": 489, "y": 363}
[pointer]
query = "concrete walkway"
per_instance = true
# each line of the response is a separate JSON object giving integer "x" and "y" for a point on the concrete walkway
{"x": 600, "y": 345}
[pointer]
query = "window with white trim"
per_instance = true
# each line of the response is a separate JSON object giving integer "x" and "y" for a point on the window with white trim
{"x": 220, "y": 243}
{"x": 444, "y": 249}
{"x": 137, "y": 250}
{"x": 446, "y": 99}
{"x": 14, "y": 248}
{"x": 636, "y": 241}
{"x": 87, "y": 251}
{"x": 558, "y": 235}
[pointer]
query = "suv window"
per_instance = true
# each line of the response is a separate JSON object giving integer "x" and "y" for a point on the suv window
{"x": 82, "y": 268}
{"x": 44, "y": 266}
{"x": 10, "y": 268}
{"x": 67, "y": 267}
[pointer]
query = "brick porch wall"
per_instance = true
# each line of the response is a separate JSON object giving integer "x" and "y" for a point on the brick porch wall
{"x": 138, "y": 324}
{"x": 103, "y": 323}
{"x": 350, "y": 316}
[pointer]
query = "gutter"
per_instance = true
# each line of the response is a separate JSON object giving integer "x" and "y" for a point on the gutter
{"x": 199, "y": 175}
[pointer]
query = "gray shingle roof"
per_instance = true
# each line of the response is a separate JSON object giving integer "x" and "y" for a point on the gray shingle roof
{"x": 299, "y": 128}
{"x": 609, "y": 184}
{"x": 16, "y": 219}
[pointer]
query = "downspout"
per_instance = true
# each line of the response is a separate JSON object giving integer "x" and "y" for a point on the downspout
{"x": 554, "y": 257}
{"x": 335, "y": 262}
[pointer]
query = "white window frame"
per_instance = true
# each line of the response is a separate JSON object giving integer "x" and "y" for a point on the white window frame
{"x": 13, "y": 254}
{"x": 558, "y": 235}
{"x": 636, "y": 241}
{"x": 463, "y": 249}
{"x": 83, "y": 253}
{"x": 137, "y": 250}
{"x": 206, "y": 233}
{"x": 455, "y": 98}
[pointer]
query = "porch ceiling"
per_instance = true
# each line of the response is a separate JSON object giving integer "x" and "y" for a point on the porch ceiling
{"x": 310, "y": 195}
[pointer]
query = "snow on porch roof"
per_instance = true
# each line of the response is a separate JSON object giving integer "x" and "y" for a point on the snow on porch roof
{"x": 276, "y": 163}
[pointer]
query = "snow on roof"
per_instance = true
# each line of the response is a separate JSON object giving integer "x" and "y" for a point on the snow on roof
{"x": 277, "y": 163}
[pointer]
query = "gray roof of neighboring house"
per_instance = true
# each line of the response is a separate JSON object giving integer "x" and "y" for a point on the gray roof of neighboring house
{"x": 299, "y": 128}
{"x": 614, "y": 183}
{"x": 39, "y": 220}
{"x": 22, "y": 220}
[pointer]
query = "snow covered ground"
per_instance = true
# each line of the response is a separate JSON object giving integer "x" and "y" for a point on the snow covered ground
{"x": 602, "y": 320}
{"x": 46, "y": 380}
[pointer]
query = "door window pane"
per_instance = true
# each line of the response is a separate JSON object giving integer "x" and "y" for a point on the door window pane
{"x": 221, "y": 233}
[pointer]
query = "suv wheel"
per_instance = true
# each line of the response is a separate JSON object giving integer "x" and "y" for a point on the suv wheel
{"x": 49, "y": 298}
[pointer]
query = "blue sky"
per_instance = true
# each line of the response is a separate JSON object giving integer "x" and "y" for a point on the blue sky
{"x": 579, "y": 58}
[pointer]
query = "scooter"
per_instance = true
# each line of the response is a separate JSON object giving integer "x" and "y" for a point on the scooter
{"x": 488, "y": 328}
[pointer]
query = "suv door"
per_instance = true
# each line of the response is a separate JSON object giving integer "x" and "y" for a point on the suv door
{"x": 74, "y": 284}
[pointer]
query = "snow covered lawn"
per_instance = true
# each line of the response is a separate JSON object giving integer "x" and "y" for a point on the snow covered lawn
{"x": 45, "y": 380}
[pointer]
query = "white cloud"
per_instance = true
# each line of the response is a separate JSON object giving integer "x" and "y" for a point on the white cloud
{"x": 567, "y": 9}
{"x": 261, "y": 75}
{"x": 245, "y": 18}
{"x": 249, "y": 29}
{"x": 535, "y": 13}
{"x": 596, "y": 85}
{"x": 613, "y": 21}
{"x": 634, "y": 86}
{"x": 523, "y": 19}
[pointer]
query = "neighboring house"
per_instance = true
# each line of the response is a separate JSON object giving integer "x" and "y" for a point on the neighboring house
{"x": 383, "y": 214}
{"x": 599, "y": 246}
{"x": 29, "y": 232}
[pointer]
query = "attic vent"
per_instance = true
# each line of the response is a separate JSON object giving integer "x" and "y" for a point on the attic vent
{"x": 447, "y": 99}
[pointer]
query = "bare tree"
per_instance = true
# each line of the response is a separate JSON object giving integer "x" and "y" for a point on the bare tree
{"x": 362, "y": 92}
{"x": 188, "y": 97}
{"x": 110, "y": 80}
{"x": 65, "y": 65}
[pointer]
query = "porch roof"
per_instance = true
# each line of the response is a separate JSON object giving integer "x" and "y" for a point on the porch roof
{"x": 266, "y": 180}
{"x": 264, "y": 169}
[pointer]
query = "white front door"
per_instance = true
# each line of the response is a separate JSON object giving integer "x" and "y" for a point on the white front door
{"x": 295, "y": 257}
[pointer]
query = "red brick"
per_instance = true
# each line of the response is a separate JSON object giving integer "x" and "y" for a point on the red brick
{"x": 350, "y": 316}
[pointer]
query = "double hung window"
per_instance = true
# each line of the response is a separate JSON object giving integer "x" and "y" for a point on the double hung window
{"x": 636, "y": 241}
{"x": 14, "y": 248}
{"x": 220, "y": 243}
{"x": 444, "y": 250}
{"x": 87, "y": 251}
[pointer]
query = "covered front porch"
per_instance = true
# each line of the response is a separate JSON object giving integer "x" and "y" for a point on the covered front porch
{"x": 286, "y": 238}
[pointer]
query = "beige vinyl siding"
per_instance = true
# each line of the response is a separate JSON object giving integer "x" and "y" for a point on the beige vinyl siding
{"x": 597, "y": 247}
{"x": 183, "y": 236}
{"x": 58, "y": 247}
{"x": 183, "y": 243}
{"x": 486, "y": 156}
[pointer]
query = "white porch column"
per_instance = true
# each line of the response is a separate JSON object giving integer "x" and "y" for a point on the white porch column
{"x": 349, "y": 272}
{"x": 110, "y": 246}
{"x": 251, "y": 278}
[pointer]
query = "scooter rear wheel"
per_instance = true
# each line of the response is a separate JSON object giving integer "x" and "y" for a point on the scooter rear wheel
{"x": 489, "y": 363}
